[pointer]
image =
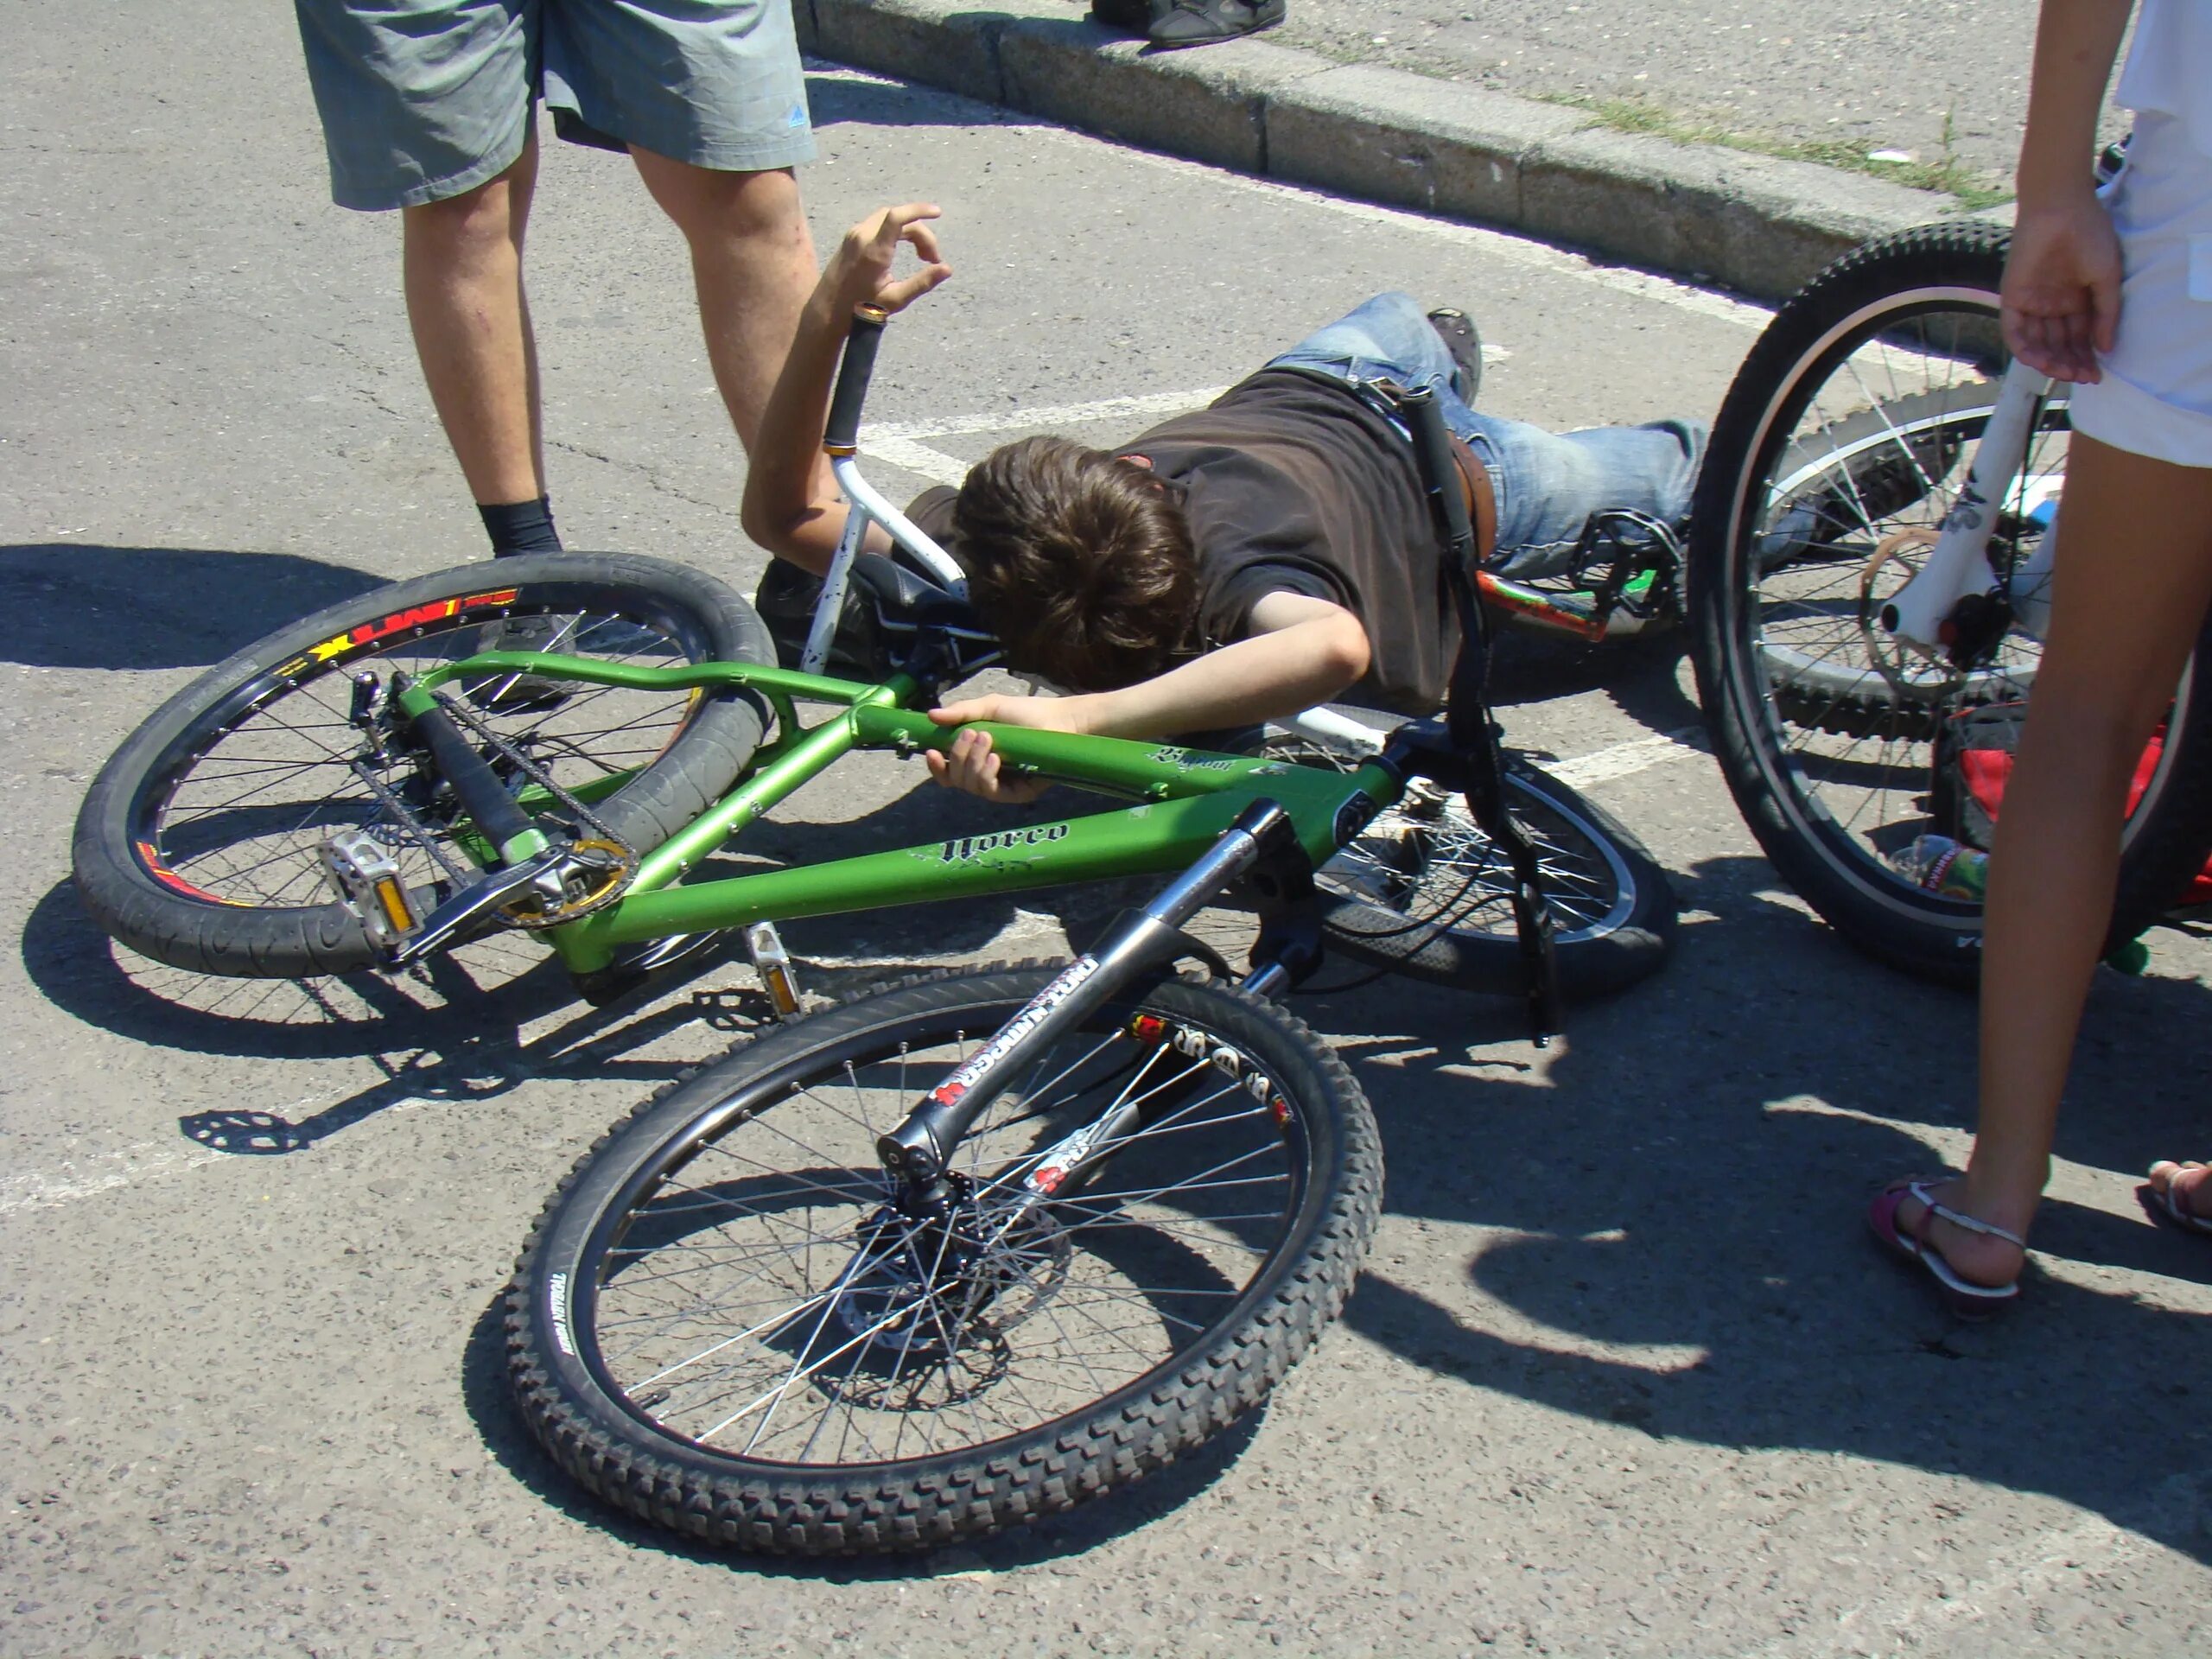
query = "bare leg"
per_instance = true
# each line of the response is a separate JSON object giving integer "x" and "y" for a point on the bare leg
{"x": 2134, "y": 577}
{"x": 753, "y": 260}
{"x": 463, "y": 267}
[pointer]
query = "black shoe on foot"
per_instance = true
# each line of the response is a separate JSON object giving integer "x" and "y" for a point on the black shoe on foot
{"x": 520, "y": 694}
{"x": 1457, "y": 330}
{"x": 1130, "y": 17}
{"x": 1201, "y": 23}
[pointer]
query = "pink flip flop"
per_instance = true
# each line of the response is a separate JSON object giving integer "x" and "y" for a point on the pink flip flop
{"x": 1965, "y": 1299}
{"x": 2160, "y": 1201}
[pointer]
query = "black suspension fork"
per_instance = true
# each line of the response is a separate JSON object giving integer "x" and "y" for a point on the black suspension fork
{"x": 1467, "y": 718}
{"x": 919, "y": 1152}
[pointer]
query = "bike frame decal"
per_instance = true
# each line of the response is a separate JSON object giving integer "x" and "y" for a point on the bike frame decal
{"x": 414, "y": 616}
{"x": 1064, "y": 986}
{"x": 973, "y": 847}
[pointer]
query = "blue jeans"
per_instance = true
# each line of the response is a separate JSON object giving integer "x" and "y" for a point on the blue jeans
{"x": 1547, "y": 483}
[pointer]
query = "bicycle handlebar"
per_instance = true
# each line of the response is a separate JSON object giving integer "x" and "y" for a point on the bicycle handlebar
{"x": 842, "y": 433}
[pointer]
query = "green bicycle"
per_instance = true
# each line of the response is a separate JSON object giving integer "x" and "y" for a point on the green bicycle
{"x": 395, "y": 774}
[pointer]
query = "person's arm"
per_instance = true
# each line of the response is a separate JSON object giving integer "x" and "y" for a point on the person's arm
{"x": 1303, "y": 650}
{"x": 2061, "y": 298}
{"x": 792, "y": 505}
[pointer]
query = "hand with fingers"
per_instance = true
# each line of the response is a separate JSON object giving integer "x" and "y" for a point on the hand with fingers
{"x": 2061, "y": 297}
{"x": 972, "y": 765}
{"x": 860, "y": 268}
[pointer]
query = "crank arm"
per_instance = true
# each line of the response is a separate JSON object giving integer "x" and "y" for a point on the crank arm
{"x": 474, "y": 905}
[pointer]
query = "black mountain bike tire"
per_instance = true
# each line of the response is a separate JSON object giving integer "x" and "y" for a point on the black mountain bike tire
{"x": 1876, "y": 910}
{"x": 608, "y": 1440}
{"x": 1614, "y": 907}
{"x": 115, "y": 859}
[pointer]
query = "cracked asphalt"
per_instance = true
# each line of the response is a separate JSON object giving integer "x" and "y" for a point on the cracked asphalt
{"x": 1621, "y": 1377}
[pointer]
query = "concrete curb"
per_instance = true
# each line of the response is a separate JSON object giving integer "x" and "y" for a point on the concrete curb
{"x": 1752, "y": 223}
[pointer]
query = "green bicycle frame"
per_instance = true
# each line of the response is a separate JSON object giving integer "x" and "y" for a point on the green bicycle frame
{"x": 1183, "y": 799}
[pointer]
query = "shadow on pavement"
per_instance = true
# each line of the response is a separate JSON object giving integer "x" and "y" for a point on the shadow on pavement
{"x": 1691, "y": 1178}
{"x": 83, "y": 605}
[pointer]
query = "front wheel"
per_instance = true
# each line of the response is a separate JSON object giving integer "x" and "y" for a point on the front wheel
{"x": 723, "y": 1324}
{"x": 1842, "y": 447}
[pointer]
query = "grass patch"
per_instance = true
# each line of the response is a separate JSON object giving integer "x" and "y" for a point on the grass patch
{"x": 1947, "y": 173}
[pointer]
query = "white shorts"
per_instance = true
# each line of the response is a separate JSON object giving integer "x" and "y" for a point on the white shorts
{"x": 2155, "y": 397}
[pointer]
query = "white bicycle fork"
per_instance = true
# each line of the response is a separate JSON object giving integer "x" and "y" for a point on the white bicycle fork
{"x": 1958, "y": 565}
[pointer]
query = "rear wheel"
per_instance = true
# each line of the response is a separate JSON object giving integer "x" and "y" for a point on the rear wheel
{"x": 1423, "y": 890}
{"x": 1843, "y": 442}
{"x": 723, "y": 1324}
{"x": 197, "y": 844}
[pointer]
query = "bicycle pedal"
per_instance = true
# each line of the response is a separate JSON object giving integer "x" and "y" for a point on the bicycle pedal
{"x": 765, "y": 948}
{"x": 365, "y": 873}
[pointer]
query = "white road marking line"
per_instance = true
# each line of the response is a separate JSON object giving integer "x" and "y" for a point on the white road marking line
{"x": 2008, "y": 1582}
{"x": 1625, "y": 759}
{"x": 1030, "y": 420}
{"x": 75, "y": 1177}
{"x": 918, "y": 458}
{"x": 899, "y": 443}
{"x": 1501, "y": 245}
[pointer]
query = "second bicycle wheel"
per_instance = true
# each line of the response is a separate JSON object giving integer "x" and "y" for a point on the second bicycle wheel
{"x": 197, "y": 844}
{"x": 1842, "y": 444}
{"x": 722, "y": 1323}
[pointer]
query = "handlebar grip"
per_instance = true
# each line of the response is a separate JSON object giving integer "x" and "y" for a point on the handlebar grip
{"x": 1439, "y": 472}
{"x": 843, "y": 430}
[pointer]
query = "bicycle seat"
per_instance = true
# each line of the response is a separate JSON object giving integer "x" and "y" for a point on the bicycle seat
{"x": 886, "y": 606}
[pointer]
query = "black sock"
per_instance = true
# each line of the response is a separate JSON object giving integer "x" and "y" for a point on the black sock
{"x": 520, "y": 527}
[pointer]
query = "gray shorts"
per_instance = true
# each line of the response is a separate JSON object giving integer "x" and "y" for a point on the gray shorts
{"x": 422, "y": 100}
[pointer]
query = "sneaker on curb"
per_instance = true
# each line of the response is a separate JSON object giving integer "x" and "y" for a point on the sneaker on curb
{"x": 1202, "y": 23}
{"x": 1457, "y": 330}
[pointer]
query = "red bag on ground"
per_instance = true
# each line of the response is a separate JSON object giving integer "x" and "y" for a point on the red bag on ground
{"x": 1980, "y": 743}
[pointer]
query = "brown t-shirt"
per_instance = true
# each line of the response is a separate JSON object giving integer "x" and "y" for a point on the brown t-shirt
{"x": 1294, "y": 485}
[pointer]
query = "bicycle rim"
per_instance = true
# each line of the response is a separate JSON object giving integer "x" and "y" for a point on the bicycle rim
{"x": 749, "y": 1293}
{"x": 241, "y": 799}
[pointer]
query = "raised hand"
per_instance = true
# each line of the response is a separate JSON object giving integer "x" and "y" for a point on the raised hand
{"x": 860, "y": 268}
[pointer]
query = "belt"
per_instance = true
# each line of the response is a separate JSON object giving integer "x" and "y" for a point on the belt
{"x": 1482, "y": 496}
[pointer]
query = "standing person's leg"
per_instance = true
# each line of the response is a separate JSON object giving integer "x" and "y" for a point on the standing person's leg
{"x": 466, "y": 304}
{"x": 2133, "y": 581}
{"x": 427, "y": 107}
{"x": 753, "y": 262}
{"x": 709, "y": 98}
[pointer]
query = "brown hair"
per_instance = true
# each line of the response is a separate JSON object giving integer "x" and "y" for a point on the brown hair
{"x": 1080, "y": 562}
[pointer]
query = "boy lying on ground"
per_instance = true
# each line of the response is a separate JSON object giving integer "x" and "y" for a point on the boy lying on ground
{"x": 1241, "y": 562}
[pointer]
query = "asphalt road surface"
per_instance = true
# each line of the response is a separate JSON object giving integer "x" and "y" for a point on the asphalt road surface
{"x": 1622, "y": 1374}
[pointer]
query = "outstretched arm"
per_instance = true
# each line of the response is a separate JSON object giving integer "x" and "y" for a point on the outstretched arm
{"x": 792, "y": 505}
{"x": 1305, "y": 650}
